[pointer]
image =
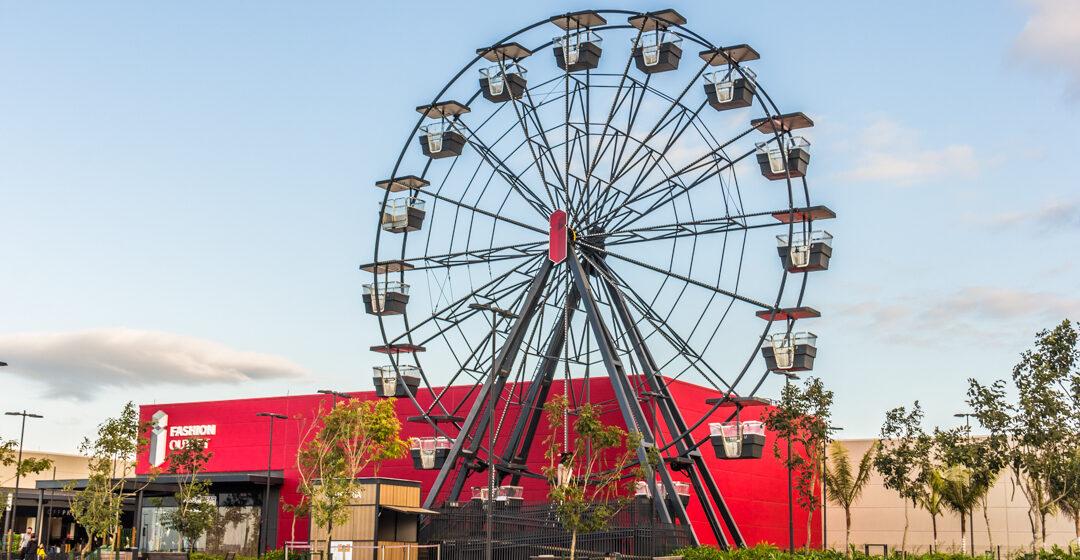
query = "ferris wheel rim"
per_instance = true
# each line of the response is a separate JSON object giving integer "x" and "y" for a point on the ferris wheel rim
{"x": 688, "y": 34}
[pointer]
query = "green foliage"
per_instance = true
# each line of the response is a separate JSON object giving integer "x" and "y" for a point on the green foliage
{"x": 337, "y": 447}
{"x": 1039, "y": 432}
{"x": 585, "y": 496}
{"x": 9, "y": 455}
{"x": 844, "y": 485}
{"x": 903, "y": 458}
{"x": 801, "y": 419}
{"x": 195, "y": 507}
{"x": 112, "y": 456}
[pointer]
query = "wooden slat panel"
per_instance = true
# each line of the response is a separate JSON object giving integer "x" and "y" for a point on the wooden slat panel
{"x": 367, "y": 495}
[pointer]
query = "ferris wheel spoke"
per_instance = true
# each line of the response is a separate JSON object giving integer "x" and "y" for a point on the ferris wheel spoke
{"x": 521, "y": 110}
{"x": 686, "y": 279}
{"x": 669, "y": 195}
{"x": 671, "y": 142}
{"x": 660, "y": 326}
{"x": 674, "y": 103}
{"x": 706, "y": 161}
{"x": 480, "y": 211}
{"x": 702, "y": 227}
{"x": 616, "y": 101}
{"x": 676, "y": 123}
{"x": 485, "y": 290}
{"x": 549, "y": 154}
{"x": 478, "y": 256}
{"x": 515, "y": 183}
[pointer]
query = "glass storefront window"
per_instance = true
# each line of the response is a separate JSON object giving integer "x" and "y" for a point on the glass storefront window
{"x": 235, "y": 528}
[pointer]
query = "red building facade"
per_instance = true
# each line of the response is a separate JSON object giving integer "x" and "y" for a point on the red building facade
{"x": 755, "y": 490}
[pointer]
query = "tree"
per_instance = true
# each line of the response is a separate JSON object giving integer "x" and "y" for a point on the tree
{"x": 195, "y": 507}
{"x": 1040, "y": 431}
{"x": 929, "y": 498}
{"x": 337, "y": 446}
{"x": 959, "y": 494}
{"x": 112, "y": 455}
{"x": 9, "y": 456}
{"x": 1066, "y": 485}
{"x": 585, "y": 492}
{"x": 801, "y": 419}
{"x": 845, "y": 487}
{"x": 903, "y": 455}
{"x": 970, "y": 469}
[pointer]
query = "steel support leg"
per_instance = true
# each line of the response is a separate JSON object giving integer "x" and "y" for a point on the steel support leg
{"x": 628, "y": 403}
{"x": 477, "y": 416}
{"x": 520, "y": 441}
{"x": 700, "y": 476}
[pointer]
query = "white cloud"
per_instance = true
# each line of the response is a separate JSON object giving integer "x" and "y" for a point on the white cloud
{"x": 78, "y": 364}
{"x": 887, "y": 152}
{"x": 1051, "y": 38}
{"x": 1051, "y": 215}
{"x": 976, "y": 313}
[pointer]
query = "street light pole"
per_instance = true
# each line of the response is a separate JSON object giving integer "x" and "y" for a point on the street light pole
{"x": 265, "y": 533}
{"x": 335, "y": 394}
{"x": 495, "y": 314}
{"x": 18, "y": 466}
{"x": 824, "y": 496}
{"x": 971, "y": 514}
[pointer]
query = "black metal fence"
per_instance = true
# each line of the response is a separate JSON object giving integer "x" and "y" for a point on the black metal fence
{"x": 523, "y": 531}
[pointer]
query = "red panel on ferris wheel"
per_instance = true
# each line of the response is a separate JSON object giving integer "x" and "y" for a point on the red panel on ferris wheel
{"x": 557, "y": 237}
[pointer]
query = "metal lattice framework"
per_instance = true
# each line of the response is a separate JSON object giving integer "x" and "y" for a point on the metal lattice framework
{"x": 670, "y": 259}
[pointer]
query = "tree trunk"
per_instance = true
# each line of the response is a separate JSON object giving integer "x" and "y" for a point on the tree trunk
{"x": 847, "y": 530}
{"x": 809, "y": 520}
{"x": 1076, "y": 522}
{"x": 903, "y": 540}
{"x": 989, "y": 533}
{"x": 1034, "y": 530}
{"x": 933, "y": 522}
{"x": 329, "y": 538}
{"x": 573, "y": 543}
{"x": 963, "y": 532}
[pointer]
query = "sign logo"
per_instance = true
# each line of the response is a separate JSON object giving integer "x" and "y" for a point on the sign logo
{"x": 158, "y": 437}
{"x": 161, "y": 432}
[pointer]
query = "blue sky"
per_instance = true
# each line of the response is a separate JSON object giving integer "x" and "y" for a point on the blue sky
{"x": 187, "y": 188}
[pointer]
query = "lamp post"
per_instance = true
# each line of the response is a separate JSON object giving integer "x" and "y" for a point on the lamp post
{"x": 824, "y": 498}
{"x": 971, "y": 514}
{"x": 265, "y": 532}
{"x": 495, "y": 314}
{"x": 335, "y": 394}
{"x": 18, "y": 466}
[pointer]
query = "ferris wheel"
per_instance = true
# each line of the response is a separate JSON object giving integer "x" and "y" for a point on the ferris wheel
{"x": 585, "y": 201}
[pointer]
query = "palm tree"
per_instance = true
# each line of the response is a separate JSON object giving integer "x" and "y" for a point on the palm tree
{"x": 960, "y": 493}
{"x": 930, "y": 499}
{"x": 843, "y": 486}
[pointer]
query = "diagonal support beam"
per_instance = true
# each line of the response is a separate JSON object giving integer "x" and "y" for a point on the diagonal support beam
{"x": 517, "y": 448}
{"x": 478, "y": 417}
{"x": 700, "y": 476}
{"x": 628, "y": 403}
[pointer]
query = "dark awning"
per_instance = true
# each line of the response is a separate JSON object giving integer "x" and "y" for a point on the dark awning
{"x": 167, "y": 482}
{"x": 409, "y": 509}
